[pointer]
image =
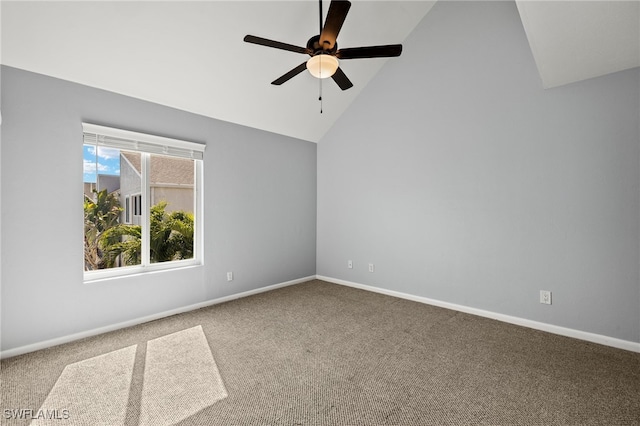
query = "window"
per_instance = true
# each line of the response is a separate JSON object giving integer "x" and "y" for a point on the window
{"x": 137, "y": 205}
{"x": 142, "y": 202}
{"x": 137, "y": 211}
{"x": 132, "y": 208}
{"x": 127, "y": 209}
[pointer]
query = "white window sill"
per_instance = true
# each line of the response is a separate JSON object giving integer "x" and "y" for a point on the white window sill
{"x": 92, "y": 277}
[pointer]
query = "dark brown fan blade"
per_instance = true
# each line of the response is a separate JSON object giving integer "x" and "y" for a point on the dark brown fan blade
{"x": 276, "y": 44}
{"x": 336, "y": 15}
{"x": 387, "y": 51}
{"x": 341, "y": 79}
{"x": 288, "y": 76}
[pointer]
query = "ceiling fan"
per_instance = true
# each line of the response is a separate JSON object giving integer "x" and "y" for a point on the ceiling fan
{"x": 324, "y": 51}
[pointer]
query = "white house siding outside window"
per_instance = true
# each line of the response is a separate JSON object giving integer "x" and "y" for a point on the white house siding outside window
{"x": 142, "y": 202}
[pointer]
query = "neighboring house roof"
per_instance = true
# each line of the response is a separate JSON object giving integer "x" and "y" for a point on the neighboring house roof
{"x": 164, "y": 170}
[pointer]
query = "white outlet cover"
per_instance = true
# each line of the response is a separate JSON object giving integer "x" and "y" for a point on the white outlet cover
{"x": 545, "y": 297}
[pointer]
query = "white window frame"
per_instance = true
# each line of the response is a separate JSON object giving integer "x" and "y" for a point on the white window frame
{"x": 150, "y": 144}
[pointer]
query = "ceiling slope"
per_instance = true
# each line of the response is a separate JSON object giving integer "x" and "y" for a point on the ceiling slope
{"x": 577, "y": 40}
{"x": 191, "y": 55}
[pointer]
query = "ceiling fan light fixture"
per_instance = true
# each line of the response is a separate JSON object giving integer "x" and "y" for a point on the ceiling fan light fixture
{"x": 323, "y": 48}
{"x": 322, "y": 66}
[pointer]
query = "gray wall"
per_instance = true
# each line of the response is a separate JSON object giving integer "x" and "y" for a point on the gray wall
{"x": 454, "y": 172}
{"x": 464, "y": 181}
{"x": 260, "y": 210}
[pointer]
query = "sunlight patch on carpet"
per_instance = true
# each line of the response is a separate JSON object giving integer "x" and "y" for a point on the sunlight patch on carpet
{"x": 180, "y": 378}
{"x": 91, "y": 392}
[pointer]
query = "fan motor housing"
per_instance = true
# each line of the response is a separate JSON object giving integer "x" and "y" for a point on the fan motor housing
{"x": 314, "y": 45}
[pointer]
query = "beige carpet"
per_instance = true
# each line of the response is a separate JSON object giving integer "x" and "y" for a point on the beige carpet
{"x": 323, "y": 354}
{"x": 180, "y": 378}
{"x": 105, "y": 378}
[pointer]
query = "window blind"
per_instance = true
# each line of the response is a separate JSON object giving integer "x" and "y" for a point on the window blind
{"x": 94, "y": 134}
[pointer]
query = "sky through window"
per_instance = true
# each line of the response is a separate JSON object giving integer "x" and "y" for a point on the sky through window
{"x": 106, "y": 161}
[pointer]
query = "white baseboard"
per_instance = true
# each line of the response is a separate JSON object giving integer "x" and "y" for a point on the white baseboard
{"x": 563, "y": 331}
{"x": 94, "y": 332}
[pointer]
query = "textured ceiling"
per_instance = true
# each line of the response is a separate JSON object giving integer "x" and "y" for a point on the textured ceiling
{"x": 190, "y": 55}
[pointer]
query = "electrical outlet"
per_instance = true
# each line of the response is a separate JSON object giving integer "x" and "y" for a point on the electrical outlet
{"x": 545, "y": 297}
{"x": 350, "y": 264}
{"x": 229, "y": 276}
{"x": 371, "y": 267}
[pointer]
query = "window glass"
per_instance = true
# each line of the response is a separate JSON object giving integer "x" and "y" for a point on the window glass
{"x": 111, "y": 236}
{"x": 142, "y": 202}
{"x": 171, "y": 215}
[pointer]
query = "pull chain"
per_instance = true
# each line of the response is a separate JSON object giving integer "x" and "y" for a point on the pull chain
{"x": 320, "y": 96}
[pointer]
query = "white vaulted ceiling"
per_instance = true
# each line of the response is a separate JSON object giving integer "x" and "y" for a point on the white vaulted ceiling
{"x": 191, "y": 56}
